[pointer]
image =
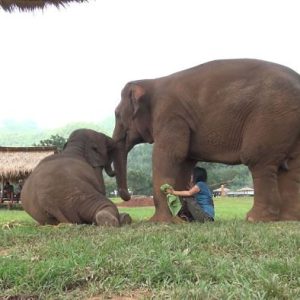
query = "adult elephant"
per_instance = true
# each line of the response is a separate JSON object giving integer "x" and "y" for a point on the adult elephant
{"x": 68, "y": 187}
{"x": 240, "y": 111}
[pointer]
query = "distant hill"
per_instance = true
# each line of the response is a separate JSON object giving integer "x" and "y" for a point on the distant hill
{"x": 27, "y": 133}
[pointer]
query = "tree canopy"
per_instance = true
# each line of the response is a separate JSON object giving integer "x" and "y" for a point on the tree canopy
{"x": 54, "y": 140}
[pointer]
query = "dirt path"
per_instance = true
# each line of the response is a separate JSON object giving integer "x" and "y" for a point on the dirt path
{"x": 137, "y": 202}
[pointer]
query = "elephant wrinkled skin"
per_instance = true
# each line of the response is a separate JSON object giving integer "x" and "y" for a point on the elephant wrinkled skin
{"x": 68, "y": 187}
{"x": 241, "y": 111}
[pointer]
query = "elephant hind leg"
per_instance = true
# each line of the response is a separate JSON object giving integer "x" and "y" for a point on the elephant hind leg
{"x": 51, "y": 221}
{"x": 39, "y": 213}
{"x": 266, "y": 206}
{"x": 289, "y": 188}
{"x": 44, "y": 218}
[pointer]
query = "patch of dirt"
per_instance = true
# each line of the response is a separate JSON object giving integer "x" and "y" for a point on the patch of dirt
{"x": 137, "y": 202}
{"x": 4, "y": 252}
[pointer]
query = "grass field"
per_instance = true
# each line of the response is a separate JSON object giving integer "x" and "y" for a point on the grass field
{"x": 227, "y": 259}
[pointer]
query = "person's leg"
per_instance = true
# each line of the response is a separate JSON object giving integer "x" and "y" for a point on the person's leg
{"x": 195, "y": 210}
{"x": 184, "y": 213}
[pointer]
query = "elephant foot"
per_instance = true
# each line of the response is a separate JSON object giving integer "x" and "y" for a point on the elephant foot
{"x": 262, "y": 216}
{"x": 106, "y": 218}
{"x": 125, "y": 219}
{"x": 173, "y": 220}
{"x": 178, "y": 220}
{"x": 161, "y": 218}
{"x": 290, "y": 215}
{"x": 290, "y": 211}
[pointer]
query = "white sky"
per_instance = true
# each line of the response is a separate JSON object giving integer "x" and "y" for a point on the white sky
{"x": 58, "y": 66}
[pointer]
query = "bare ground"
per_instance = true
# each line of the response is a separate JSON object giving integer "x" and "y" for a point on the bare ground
{"x": 137, "y": 202}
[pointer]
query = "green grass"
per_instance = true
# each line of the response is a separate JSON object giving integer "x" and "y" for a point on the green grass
{"x": 225, "y": 209}
{"x": 227, "y": 259}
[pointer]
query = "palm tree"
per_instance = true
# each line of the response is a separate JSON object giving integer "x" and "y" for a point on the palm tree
{"x": 10, "y": 5}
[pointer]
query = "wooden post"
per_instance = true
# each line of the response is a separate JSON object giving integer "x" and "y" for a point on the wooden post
{"x": 11, "y": 192}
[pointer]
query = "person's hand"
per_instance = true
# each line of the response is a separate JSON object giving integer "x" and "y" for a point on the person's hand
{"x": 169, "y": 191}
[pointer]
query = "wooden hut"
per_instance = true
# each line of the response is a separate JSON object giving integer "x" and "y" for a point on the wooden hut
{"x": 247, "y": 191}
{"x": 18, "y": 162}
{"x": 221, "y": 191}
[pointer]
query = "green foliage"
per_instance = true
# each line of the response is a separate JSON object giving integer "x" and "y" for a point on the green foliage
{"x": 55, "y": 140}
{"x": 232, "y": 177}
{"x": 110, "y": 185}
{"x": 227, "y": 259}
{"x": 139, "y": 174}
{"x": 140, "y": 169}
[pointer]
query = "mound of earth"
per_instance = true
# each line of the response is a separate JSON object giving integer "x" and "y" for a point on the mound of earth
{"x": 137, "y": 201}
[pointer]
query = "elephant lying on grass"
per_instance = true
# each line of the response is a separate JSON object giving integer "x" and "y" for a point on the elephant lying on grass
{"x": 68, "y": 187}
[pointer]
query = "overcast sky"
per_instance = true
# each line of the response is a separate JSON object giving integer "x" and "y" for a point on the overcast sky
{"x": 59, "y": 66}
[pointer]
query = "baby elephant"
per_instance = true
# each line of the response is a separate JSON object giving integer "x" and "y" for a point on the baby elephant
{"x": 69, "y": 188}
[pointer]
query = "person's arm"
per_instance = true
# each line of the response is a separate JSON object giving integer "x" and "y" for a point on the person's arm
{"x": 194, "y": 190}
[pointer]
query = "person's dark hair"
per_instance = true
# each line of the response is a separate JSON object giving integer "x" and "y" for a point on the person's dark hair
{"x": 199, "y": 174}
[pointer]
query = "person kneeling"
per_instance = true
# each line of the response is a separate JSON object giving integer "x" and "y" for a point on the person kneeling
{"x": 197, "y": 202}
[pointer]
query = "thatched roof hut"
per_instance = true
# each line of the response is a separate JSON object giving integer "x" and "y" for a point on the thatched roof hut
{"x": 18, "y": 162}
{"x": 10, "y": 5}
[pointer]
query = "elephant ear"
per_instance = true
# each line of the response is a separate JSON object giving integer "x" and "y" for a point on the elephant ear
{"x": 96, "y": 157}
{"x": 99, "y": 152}
{"x": 141, "y": 112}
{"x": 136, "y": 95}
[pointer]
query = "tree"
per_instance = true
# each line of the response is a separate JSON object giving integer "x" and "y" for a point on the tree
{"x": 55, "y": 140}
{"x": 110, "y": 185}
{"x": 232, "y": 177}
{"x": 139, "y": 182}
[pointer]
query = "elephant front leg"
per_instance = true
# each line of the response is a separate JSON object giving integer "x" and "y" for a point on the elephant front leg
{"x": 266, "y": 199}
{"x": 162, "y": 173}
{"x": 167, "y": 168}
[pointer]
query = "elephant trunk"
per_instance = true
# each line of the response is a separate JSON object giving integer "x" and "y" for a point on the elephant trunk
{"x": 99, "y": 175}
{"x": 120, "y": 166}
{"x": 108, "y": 169}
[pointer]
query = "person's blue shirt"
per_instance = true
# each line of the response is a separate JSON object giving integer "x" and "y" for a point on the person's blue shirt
{"x": 204, "y": 199}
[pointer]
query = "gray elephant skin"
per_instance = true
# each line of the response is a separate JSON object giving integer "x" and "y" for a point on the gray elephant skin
{"x": 68, "y": 187}
{"x": 241, "y": 111}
